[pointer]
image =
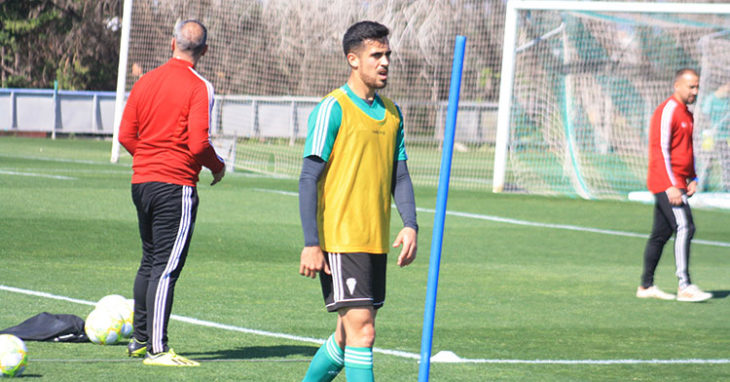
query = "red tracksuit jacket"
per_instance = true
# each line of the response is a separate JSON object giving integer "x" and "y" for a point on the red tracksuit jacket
{"x": 671, "y": 156}
{"x": 165, "y": 125}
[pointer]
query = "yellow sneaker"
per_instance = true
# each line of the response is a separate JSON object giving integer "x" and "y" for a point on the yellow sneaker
{"x": 168, "y": 358}
{"x": 136, "y": 348}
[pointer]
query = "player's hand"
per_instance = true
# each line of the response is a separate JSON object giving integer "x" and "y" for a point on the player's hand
{"x": 312, "y": 261}
{"x": 218, "y": 176}
{"x": 691, "y": 188}
{"x": 408, "y": 237}
{"x": 674, "y": 195}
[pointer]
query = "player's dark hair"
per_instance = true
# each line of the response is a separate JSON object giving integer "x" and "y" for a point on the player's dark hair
{"x": 684, "y": 71}
{"x": 364, "y": 30}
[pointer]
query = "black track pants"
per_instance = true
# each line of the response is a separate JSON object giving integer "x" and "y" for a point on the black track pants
{"x": 166, "y": 214}
{"x": 669, "y": 219}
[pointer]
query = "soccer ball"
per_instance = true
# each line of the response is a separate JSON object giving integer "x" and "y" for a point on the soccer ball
{"x": 13, "y": 356}
{"x": 124, "y": 307}
{"x": 104, "y": 326}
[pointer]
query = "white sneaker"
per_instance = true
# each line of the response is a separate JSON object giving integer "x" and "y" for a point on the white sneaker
{"x": 691, "y": 293}
{"x": 653, "y": 292}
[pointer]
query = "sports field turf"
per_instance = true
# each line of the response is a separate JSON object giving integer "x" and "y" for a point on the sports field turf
{"x": 511, "y": 292}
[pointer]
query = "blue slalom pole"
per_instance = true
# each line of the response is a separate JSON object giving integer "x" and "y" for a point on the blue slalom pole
{"x": 441, "y": 198}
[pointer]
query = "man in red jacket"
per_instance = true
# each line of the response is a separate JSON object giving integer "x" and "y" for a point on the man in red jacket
{"x": 165, "y": 126}
{"x": 672, "y": 180}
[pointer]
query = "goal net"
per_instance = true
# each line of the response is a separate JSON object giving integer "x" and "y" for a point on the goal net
{"x": 271, "y": 62}
{"x": 586, "y": 79}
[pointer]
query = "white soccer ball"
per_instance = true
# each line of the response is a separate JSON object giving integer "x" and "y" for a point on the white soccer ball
{"x": 121, "y": 305}
{"x": 13, "y": 356}
{"x": 104, "y": 326}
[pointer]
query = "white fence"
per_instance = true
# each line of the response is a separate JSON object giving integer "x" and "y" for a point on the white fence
{"x": 88, "y": 112}
{"x": 286, "y": 117}
{"x": 45, "y": 110}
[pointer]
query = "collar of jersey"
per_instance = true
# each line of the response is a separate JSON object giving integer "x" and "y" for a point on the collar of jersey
{"x": 180, "y": 61}
{"x": 375, "y": 111}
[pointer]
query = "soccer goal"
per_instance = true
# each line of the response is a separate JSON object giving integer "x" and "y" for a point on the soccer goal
{"x": 580, "y": 81}
{"x": 271, "y": 62}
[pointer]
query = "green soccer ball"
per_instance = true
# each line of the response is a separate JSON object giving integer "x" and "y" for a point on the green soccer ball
{"x": 13, "y": 356}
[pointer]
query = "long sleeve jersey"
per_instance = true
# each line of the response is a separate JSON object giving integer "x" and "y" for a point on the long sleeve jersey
{"x": 671, "y": 156}
{"x": 166, "y": 123}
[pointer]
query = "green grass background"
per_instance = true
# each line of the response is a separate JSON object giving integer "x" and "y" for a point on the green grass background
{"x": 506, "y": 291}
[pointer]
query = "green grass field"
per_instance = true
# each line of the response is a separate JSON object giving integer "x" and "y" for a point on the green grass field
{"x": 507, "y": 291}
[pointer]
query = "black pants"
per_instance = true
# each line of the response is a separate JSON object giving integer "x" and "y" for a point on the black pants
{"x": 669, "y": 219}
{"x": 166, "y": 215}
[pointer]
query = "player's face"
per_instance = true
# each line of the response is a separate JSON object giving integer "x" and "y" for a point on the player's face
{"x": 687, "y": 87}
{"x": 371, "y": 63}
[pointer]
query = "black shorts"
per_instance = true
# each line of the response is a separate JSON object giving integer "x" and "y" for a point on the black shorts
{"x": 357, "y": 279}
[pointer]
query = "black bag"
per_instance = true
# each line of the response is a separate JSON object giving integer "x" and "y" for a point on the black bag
{"x": 50, "y": 327}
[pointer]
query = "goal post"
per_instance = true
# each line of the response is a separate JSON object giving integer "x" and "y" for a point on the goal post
{"x": 121, "y": 78}
{"x": 579, "y": 82}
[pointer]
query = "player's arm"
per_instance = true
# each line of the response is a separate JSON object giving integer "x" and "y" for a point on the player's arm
{"x": 201, "y": 106}
{"x": 324, "y": 124}
{"x": 666, "y": 127}
{"x": 312, "y": 256}
{"x": 405, "y": 201}
{"x": 129, "y": 126}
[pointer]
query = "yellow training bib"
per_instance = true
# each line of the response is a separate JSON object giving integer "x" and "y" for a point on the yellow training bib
{"x": 355, "y": 191}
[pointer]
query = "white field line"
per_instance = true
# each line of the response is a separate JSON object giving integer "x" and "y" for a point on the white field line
{"x": 127, "y": 165}
{"x": 209, "y": 324}
{"x": 287, "y": 193}
{"x": 74, "y": 171}
{"x": 397, "y": 353}
{"x": 133, "y": 360}
{"x": 499, "y": 219}
{"x": 61, "y": 160}
{"x": 36, "y": 175}
{"x": 596, "y": 361}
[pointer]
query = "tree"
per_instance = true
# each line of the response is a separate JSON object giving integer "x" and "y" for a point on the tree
{"x": 74, "y": 42}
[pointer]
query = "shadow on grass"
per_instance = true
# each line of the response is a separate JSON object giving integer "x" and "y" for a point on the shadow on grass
{"x": 257, "y": 353}
{"x": 717, "y": 294}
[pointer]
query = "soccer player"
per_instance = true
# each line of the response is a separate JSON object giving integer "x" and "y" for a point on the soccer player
{"x": 672, "y": 180}
{"x": 165, "y": 126}
{"x": 354, "y": 159}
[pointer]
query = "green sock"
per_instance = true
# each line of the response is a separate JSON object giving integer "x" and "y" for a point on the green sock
{"x": 359, "y": 364}
{"x": 327, "y": 362}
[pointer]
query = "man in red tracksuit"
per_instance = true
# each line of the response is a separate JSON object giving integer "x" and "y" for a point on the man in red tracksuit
{"x": 672, "y": 180}
{"x": 165, "y": 126}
